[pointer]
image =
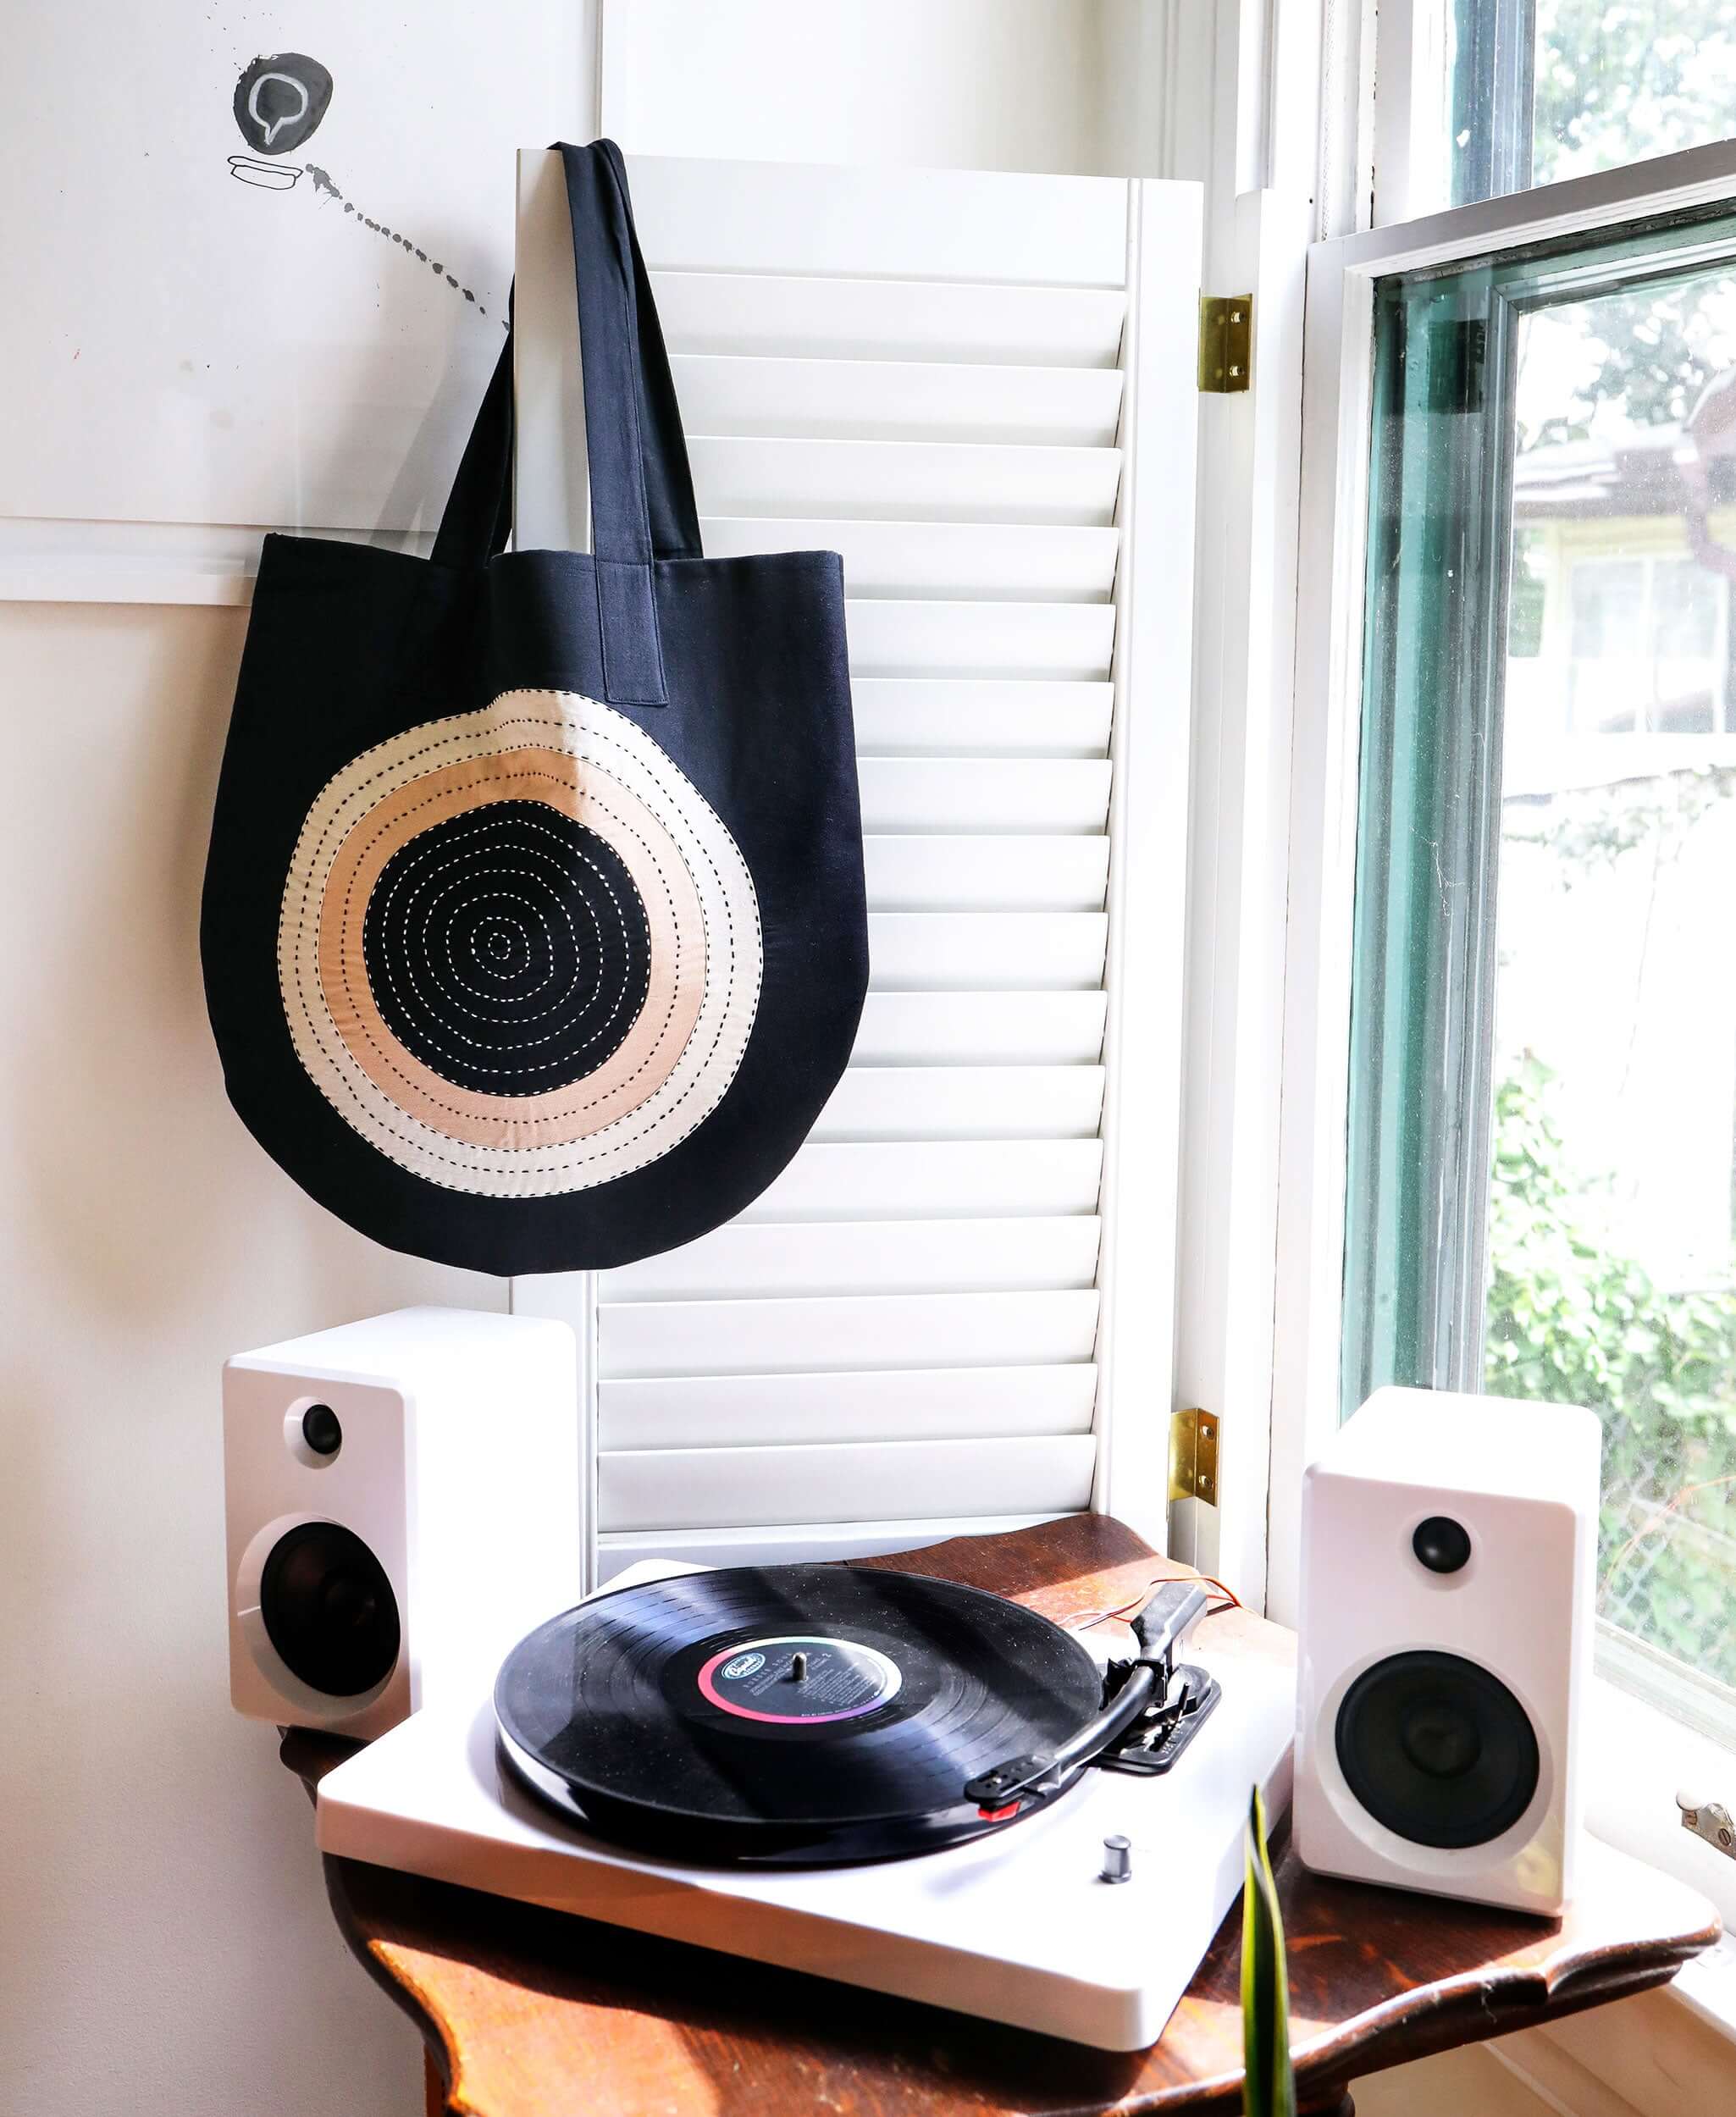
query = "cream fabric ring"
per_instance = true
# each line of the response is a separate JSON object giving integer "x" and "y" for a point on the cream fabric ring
{"x": 600, "y": 740}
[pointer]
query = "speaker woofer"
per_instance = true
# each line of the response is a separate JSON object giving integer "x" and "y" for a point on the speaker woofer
{"x": 328, "y": 1609}
{"x": 1437, "y": 1750}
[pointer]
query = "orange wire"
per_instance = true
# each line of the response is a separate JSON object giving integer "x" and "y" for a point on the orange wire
{"x": 1136, "y": 1603}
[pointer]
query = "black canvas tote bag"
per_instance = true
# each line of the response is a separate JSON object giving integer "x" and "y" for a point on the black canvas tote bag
{"x": 534, "y": 927}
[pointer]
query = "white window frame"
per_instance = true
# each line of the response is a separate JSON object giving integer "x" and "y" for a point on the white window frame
{"x": 1632, "y": 1805}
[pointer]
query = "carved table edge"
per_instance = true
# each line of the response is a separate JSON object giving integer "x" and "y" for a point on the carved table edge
{"x": 1433, "y": 2019}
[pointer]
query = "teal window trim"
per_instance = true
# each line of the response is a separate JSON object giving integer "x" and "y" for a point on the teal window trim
{"x": 1428, "y": 841}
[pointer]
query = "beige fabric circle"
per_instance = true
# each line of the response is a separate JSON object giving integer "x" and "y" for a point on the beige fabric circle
{"x": 591, "y": 765}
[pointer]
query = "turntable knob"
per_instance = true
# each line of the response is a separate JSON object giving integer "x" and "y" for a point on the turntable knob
{"x": 1118, "y": 1858}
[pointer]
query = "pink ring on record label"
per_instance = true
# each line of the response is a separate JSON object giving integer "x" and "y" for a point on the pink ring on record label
{"x": 798, "y": 1680}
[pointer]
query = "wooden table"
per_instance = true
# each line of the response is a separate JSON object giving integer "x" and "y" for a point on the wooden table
{"x": 531, "y": 2013}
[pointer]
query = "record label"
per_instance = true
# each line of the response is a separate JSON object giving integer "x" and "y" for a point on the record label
{"x": 798, "y": 1676}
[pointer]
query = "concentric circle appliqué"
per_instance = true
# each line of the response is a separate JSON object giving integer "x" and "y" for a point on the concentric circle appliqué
{"x": 519, "y": 952}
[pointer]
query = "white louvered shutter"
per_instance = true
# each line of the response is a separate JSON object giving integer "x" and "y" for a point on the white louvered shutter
{"x": 953, "y": 1311}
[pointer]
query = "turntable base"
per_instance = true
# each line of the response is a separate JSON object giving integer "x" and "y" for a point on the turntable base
{"x": 1016, "y": 1928}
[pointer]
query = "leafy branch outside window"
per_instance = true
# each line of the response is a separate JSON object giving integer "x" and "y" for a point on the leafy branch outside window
{"x": 1571, "y": 1319}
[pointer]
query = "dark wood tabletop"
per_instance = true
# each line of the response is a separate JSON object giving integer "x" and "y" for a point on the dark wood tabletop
{"x": 535, "y": 2014}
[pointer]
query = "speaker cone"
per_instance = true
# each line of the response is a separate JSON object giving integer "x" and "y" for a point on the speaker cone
{"x": 330, "y": 1609}
{"x": 1437, "y": 1750}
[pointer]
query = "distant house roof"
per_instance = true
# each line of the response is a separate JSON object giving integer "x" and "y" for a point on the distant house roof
{"x": 1634, "y": 472}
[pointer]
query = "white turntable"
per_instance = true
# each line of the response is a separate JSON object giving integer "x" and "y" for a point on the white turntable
{"x": 1022, "y": 1925}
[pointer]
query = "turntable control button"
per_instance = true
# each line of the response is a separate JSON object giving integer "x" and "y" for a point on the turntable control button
{"x": 1118, "y": 1858}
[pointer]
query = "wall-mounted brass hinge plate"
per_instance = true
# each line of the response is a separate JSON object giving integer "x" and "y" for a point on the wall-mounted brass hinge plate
{"x": 1193, "y": 1457}
{"x": 1193, "y": 1489}
{"x": 1226, "y": 342}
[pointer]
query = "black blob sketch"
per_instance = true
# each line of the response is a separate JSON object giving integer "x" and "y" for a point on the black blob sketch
{"x": 279, "y": 101}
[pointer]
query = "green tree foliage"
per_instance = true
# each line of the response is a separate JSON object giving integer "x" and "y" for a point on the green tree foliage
{"x": 1620, "y": 79}
{"x": 1617, "y": 81}
{"x": 1572, "y": 1320}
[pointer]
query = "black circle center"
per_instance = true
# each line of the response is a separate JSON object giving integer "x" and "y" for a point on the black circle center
{"x": 330, "y": 1609}
{"x": 321, "y": 1430}
{"x": 1437, "y": 1749}
{"x": 507, "y": 948}
{"x": 1441, "y": 1738}
{"x": 1442, "y": 1544}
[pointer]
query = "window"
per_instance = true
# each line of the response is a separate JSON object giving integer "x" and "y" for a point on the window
{"x": 1541, "y": 1183}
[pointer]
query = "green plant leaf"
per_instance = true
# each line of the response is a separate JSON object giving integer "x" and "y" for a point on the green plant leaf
{"x": 1270, "y": 2087}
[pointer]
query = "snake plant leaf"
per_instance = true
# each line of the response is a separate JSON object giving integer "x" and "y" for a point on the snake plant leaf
{"x": 1270, "y": 2089}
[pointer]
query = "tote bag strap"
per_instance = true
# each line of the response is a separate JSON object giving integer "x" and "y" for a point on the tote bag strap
{"x": 478, "y": 512}
{"x": 641, "y": 488}
{"x": 642, "y": 492}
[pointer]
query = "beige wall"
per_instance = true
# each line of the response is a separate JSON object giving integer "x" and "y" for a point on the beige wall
{"x": 167, "y": 1944}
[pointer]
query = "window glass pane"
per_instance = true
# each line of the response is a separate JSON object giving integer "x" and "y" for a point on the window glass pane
{"x": 1620, "y": 82}
{"x": 1611, "y": 1270}
{"x": 1543, "y": 1154}
{"x": 1540, "y": 90}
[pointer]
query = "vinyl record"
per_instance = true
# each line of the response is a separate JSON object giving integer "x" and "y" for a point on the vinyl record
{"x": 798, "y": 1714}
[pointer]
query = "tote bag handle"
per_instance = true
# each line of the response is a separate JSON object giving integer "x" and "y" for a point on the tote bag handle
{"x": 641, "y": 488}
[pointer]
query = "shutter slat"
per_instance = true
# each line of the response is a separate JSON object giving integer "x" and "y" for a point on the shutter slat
{"x": 918, "y": 1102}
{"x": 1046, "y": 640}
{"x": 732, "y": 1488}
{"x": 898, "y": 320}
{"x": 951, "y": 1179}
{"x": 902, "y": 481}
{"x": 980, "y": 1029}
{"x": 896, "y": 401}
{"x": 987, "y": 951}
{"x": 998, "y": 874}
{"x": 984, "y": 793}
{"x": 793, "y": 1543}
{"x": 905, "y": 716}
{"x": 959, "y": 560}
{"x": 907, "y": 1404}
{"x": 956, "y": 224}
{"x": 736, "y": 1263}
{"x": 857, "y": 1333}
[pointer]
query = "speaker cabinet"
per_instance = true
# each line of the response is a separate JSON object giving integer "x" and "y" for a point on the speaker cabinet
{"x": 1448, "y": 1553}
{"x": 403, "y": 1502}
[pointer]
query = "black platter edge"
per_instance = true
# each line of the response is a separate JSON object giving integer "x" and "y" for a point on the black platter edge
{"x": 708, "y": 1841}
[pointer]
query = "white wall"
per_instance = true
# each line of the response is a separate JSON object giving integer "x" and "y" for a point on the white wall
{"x": 167, "y": 1946}
{"x": 1043, "y": 84}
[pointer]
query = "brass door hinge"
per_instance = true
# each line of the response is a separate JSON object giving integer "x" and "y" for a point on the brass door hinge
{"x": 1193, "y": 1489}
{"x": 1226, "y": 342}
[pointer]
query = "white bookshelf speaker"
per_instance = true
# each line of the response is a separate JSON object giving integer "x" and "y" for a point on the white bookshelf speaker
{"x": 1448, "y": 1555}
{"x": 403, "y": 1502}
